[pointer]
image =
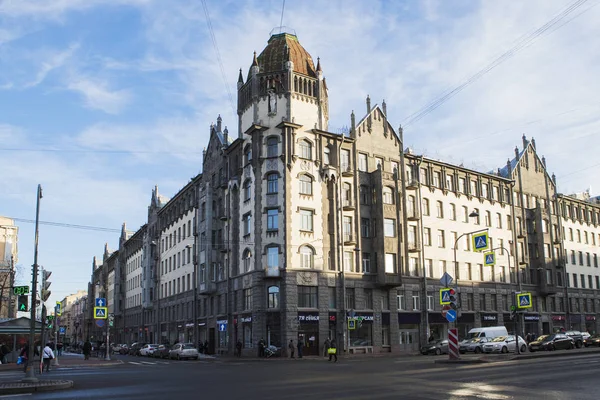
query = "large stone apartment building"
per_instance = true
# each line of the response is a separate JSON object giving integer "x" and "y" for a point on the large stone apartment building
{"x": 290, "y": 229}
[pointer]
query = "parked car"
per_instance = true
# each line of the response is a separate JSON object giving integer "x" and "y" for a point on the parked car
{"x": 488, "y": 332}
{"x": 552, "y": 342}
{"x": 115, "y": 348}
{"x": 134, "y": 350}
{"x": 124, "y": 349}
{"x": 585, "y": 335}
{"x": 504, "y": 344}
{"x": 577, "y": 338}
{"x": 162, "y": 351}
{"x": 438, "y": 347}
{"x": 183, "y": 351}
{"x": 593, "y": 340}
{"x": 148, "y": 349}
{"x": 472, "y": 345}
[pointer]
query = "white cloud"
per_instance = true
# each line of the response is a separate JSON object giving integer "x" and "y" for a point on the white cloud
{"x": 51, "y": 63}
{"x": 50, "y": 9}
{"x": 98, "y": 95}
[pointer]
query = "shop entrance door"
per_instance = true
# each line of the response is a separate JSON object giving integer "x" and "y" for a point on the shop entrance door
{"x": 310, "y": 341}
{"x": 409, "y": 340}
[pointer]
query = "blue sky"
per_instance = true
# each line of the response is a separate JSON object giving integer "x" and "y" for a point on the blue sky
{"x": 100, "y": 100}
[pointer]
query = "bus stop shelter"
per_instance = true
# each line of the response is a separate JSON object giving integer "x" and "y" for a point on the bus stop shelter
{"x": 14, "y": 333}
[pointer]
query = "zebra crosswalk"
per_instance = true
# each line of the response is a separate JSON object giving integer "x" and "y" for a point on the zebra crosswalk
{"x": 148, "y": 363}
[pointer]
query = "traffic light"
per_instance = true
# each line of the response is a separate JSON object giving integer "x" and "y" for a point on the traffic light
{"x": 45, "y": 285}
{"x": 22, "y": 303}
{"x": 513, "y": 312}
{"x": 453, "y": 299}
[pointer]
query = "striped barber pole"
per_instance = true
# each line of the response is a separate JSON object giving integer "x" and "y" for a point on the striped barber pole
{"x": 453, "y": 353}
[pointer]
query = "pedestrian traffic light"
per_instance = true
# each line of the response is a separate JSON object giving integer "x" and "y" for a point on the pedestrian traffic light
{"x": 45, "y": 285}
{"x": 453, "y": 299}
{"x": 513, "y": 312}
{"x": 22, "y": 303}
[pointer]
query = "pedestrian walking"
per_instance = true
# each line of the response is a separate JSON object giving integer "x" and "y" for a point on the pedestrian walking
{"x": 59, "y": 348}
{"x": 292, "y": 348}
{"x": 47, "y": 356}
{"x": 24, "y": 354}
{"x": 206, "y": 347}
{"x": 238, "y": 347}
{"x": 300, "y": 347}
{"x": 326, "y": 346}
{"x": 87, "y": 349}
{"x": 261, "y": 347}
{"x": 332, "y": 351}
{"x": 4, "y": 351}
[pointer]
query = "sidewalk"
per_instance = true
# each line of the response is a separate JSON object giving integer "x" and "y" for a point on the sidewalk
{"x": 67, "y": 360}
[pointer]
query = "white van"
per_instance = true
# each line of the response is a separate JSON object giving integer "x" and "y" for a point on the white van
{"x": 489, "y": 332}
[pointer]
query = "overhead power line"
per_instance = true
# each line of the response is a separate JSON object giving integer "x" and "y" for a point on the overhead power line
{"x": 218, "y": 53}
{"x": 65, "y": 225}
{"x": 521, "y": 43}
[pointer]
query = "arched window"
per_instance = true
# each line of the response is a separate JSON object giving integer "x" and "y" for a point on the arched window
{"x": 272, "y": 183}
{"x": 306, "y": 149}
{"x": 305, "y": 185}
{"x": 272, "y": 144}
{"x": 248, "y": 154}
{"x": 388, "y": 197}
{"x": 307, "y": 257}
{"x": 247, "y": 257}
{"x": 247, "y": 189}
{"x": 273, "y": 297}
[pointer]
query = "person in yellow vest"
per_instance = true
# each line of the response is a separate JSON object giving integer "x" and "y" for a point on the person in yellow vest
{"x": 332, "y": 351}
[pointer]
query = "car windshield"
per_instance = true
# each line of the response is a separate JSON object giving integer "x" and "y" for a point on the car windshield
{"x": 477, "y": 340}
{"x": 473, "y": 335}
{"x": 544, "y": 338}
{"x": 188, "y": 346}
{"x": 500, "y": 339}
{"x": 596, "y": 336}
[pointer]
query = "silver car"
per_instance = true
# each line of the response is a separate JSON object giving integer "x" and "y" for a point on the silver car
{"x": 504, "y": 344}
{"x": 472, "y": 345}
{"x": 183, "y": 351}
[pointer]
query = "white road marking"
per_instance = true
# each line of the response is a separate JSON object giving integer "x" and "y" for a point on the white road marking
{"x": 6, "y": 396}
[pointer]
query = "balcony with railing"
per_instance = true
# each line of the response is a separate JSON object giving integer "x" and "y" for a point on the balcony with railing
{"x": 412, "y": 214}
{"x": 349, "y": 239}
{"x": 273, "y": 272}
{"x": 412, "y": 184}
{"x": 348, "y": 205}
{"x": 346, "y": 170}
{"x": 414, "y": 246}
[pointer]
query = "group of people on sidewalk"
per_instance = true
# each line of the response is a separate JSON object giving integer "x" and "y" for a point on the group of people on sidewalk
{"x": 329, "y": 349}
{"x": 47, "y": 356}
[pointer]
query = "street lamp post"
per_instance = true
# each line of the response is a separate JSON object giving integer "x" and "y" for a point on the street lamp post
{"x": 30, "y": 376}
{"x": 519, "y": 284}
{"x": 472, "y": 215}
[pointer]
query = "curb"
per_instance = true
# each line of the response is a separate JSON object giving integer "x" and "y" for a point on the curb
{"x": 112, "y": 364}
{"x": 552, "y": 354}
{"x": 462, "y": 361}
{"x": 42, "y": 386}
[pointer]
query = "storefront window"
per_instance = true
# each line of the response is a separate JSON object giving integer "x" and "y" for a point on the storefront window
{"x": 362, "y": 335}
{"x": 248, "y": 335}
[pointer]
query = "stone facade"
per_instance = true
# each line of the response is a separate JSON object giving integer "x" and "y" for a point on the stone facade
{"x": 297, "y": 230}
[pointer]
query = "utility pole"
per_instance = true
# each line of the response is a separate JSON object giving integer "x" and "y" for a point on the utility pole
{"x": 30, "y": 376}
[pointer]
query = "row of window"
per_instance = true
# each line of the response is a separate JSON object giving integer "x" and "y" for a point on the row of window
{"x": 134, "y": 263}
{"x": 176, "y": 286}
{"x": 580, "y": 213}
{"x": 176, "y": 260}
{"x": 588, "y": 258}
{"x": 587, "y": 237}
{"x": 176, "y": 237}
{"x": 582, "y": 281}
{"x": 134, "y": 301}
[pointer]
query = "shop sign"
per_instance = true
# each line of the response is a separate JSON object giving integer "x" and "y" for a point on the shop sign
{"x": 590, "y": 317}
{"x": 246, "y": 320}
{"x": 308, "y": 317}
{"x": 558, "y": 318}
{"x": 221, "y": 321}
{"x": 489, "y": 317}
{"x": 531, "y": 317}
{"x": 365, "y": 317}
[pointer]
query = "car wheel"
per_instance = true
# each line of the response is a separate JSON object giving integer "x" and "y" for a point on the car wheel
{"x": 505, "y": 349}
{"x": 579, "y": 345}
{"x": 477, "y": 350}
{"x": 523, "y": 349}
{"x": 438, "y": 352}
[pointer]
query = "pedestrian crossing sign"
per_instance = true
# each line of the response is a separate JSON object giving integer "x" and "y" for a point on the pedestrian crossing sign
{"x": 523, "y": 300}
{"x": 100, "y": 312}
{"x": 445, "y": 296}
{"x": 481, "y": 241}
{"x": 489, "y": 259}
{"x": 351, "y": 324}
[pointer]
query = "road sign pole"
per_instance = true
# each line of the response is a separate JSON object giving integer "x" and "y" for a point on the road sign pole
{"x": 453, "y": 353}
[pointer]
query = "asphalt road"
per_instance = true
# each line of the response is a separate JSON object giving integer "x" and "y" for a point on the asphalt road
{"x": 574, "y": 377}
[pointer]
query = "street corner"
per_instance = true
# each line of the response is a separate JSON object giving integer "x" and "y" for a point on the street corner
{"x": 20, "y": 387}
